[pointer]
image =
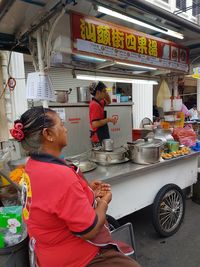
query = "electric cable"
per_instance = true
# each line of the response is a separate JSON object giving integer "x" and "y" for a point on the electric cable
{"x": 50, "y": 37}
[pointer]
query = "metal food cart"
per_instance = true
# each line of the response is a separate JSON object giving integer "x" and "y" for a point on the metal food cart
{"x": 137, "y": 186}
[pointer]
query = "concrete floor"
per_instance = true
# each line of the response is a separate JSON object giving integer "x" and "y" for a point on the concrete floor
{"x": 180, "y": 250}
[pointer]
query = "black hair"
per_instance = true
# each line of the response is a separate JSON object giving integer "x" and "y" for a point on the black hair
{"x": 34, "y": 121}
{"x": 94, "y": 87}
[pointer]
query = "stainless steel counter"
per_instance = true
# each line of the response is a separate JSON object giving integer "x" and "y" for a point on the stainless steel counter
{"x": 118, "y": 171}
{"x": 136, "y": 186}
{"x": 54, "y": 104}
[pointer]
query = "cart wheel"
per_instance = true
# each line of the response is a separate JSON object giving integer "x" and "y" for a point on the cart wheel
{"x": 113, "y": 224}
{"x": 168, "y": 210}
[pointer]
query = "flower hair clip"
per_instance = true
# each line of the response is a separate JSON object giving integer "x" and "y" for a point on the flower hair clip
{"x": 17, "y": 131}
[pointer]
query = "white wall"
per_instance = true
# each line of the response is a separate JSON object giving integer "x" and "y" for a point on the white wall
{"x": 19, "y": 102}
{"x": 4, "y": 133}
{"x": 13, "y": 103}
{"x": 62, "y": 79}
{"x": 143, "y": 103}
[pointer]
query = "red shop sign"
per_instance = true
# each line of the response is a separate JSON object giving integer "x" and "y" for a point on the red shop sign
{"x": 92, "y": 36}
{"x": 74, "y": 120}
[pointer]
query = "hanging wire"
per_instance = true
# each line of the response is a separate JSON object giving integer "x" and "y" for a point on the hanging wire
{"x": 8, "y": 69}
{"x": 194, "y": 59}
{"x": 8, "y": 66}
{"x": 32, "y": 49}
{"x": 9, "y": 58}
{"x": 183, "y": 8}
{"x": 48, "y": 44}
{"x": 189, "y": 94}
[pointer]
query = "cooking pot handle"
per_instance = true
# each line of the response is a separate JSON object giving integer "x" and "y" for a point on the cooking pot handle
{"x": 127, "y": 150}
{"x": 158, "y": 145}
{"x": 127, "y": 153}
{"x": 129, "y": 143}
{"x": 69, "y": 92}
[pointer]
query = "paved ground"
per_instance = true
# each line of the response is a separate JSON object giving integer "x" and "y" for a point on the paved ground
{"x": 180, "y": 250}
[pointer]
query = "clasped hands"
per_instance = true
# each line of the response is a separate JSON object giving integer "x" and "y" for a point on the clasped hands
{"x": 101, "y": 190}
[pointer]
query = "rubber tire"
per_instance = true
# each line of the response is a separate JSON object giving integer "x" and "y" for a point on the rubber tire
{"x": 113, "y": 223}
{"x": 156, "y": 207}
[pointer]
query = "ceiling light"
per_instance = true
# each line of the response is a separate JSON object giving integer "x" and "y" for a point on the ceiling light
{"x": 145, "y": 82}
{"x": 133, "y": 65}
{"x": 90, "y": 58}
{"x": 140, "y": 23}
{"x": 113, "y": 79}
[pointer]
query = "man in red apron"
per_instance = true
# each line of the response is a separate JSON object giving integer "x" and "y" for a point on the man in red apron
{"x": 98, "y": 119}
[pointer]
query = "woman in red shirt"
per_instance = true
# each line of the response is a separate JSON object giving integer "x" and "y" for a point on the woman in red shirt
{"x": 65, "y": 220}
{"x": 97, "y": 114}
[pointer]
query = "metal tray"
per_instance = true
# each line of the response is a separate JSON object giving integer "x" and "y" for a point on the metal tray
{"x": 86, "y": 166}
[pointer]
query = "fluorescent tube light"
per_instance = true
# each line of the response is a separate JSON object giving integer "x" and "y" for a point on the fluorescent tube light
{"x": 90, "y": 58}
{"x": 113, "y": 79}
{"x": 134, "y": 65}
{"x": 145, "y": 82}
{"x": 140, "y": 23}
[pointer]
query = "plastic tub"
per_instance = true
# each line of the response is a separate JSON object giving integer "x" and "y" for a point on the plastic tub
{"x": 173, "y": 146}
{"x": 167, "y": 105}
{"x": 124, "y": 99}
{"x": 118, "y": 98}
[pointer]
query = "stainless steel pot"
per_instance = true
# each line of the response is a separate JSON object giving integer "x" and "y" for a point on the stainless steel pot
{"x": 145, "y": 151}
{"x": 108, "y": 144}
{"x": 163, "y": 135}
{"x": 119, "y": 155}
{"x": 62, "y": 96}
{"x": 83, "y": 94}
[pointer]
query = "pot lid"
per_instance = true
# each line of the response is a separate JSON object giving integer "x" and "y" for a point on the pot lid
{"x": 116, "y": 151}
{"x": 148, "y": 143}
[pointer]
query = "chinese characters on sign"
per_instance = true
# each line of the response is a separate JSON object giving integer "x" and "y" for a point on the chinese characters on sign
{"x": 106, "y": 35}
{"x": 102, "y": 38}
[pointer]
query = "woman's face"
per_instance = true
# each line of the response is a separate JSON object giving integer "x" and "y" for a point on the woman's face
{"x": 102, "y": 94}
{"x": 59, "y": 131}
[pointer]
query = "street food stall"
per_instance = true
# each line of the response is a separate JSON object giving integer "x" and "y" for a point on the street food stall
{"x": 136, "y": 186}
{"x": 97, "y": 49}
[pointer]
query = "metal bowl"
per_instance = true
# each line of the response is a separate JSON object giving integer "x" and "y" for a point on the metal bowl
{"x": 85, "y": 166}
{"x": 119, "y": 155}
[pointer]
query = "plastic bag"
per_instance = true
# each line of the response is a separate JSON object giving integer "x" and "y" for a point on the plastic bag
{"x": 163, "y": 93}
{"x": 185, "y": 136}
{"x": 12, "y": 228}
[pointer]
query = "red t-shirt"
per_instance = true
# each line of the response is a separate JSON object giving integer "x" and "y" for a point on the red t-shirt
{"x": 96, "y": 112}
{"x": 60, "y": 209}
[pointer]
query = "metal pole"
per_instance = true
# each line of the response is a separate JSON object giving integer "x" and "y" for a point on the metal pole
{"x": 40, "y": 59}
{"x": 198, "y": 94}
{"x": 198, "y": 80}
